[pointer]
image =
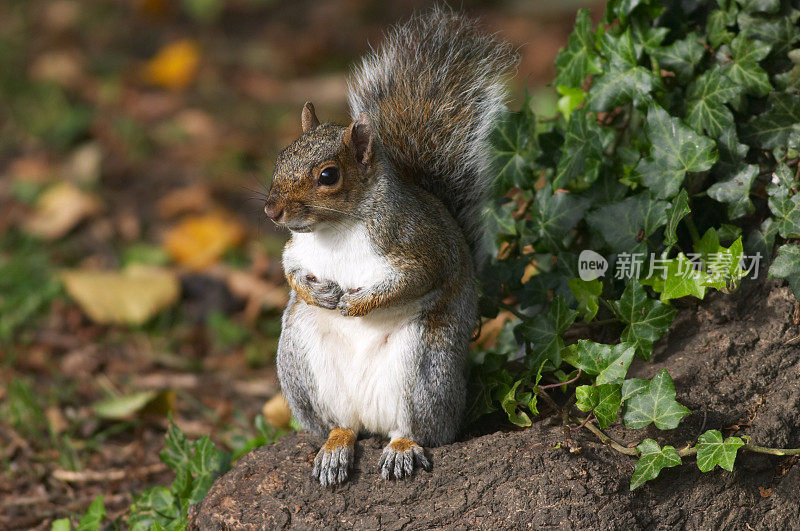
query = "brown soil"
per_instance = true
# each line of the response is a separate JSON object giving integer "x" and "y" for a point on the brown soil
{"x": 735, "y": 365}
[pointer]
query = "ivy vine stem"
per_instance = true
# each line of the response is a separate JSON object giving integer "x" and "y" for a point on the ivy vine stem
{"x": 684, "y": 452}
{"x": 771, "y": 451}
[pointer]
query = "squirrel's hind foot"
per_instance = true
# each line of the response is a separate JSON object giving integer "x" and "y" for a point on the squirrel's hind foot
{"x": 334, "y": 460}
{"x": 400, "y": 457}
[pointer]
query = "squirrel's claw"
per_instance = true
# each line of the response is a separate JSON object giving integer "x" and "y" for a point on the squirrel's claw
{"x": 352, "y": 303}
{"x": 335, "y": 459}
{"x": 400, "y": 458}
{"x": 332, "y": 467}
{"x": 327, "y": 294}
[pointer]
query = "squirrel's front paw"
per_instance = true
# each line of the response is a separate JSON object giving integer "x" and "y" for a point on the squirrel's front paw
{"x": 326, "y": 293}
{"x": 335, "y": 459}
{"x": 401, "y": 457}
{"x": 353, "y": 303}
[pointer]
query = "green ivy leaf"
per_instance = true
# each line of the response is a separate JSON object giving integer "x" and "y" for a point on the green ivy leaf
{"x": 787, "y": 265}
{"x": 787, "y": 215}
{"x": 623, "y": 80}
{"x": 204, "y": 465}
{"x": 677, "y": 149}
{"x": 676, "y": 212}
{"x": 655, "y": 404}
{"x": 763, "y": 6}
{"x": 609, "y": 363}
{"x": 647, "y": 319}
{"x": 706, "y": 108}
{"x": 94, "y": 516}
{"x": 735, "y": 191}
{"x": 571, "y": 99}
{"x": 603, "y": 400}
{"x": 713, "y": 451}
{"x": 586, "y": 293}
{"x": 509, "y": 404}
{"x": 514, "y": 147}
{"x": 177, "y": 450}
{"x": 681, "y": 278}
{"x": 580, "y": 57}
{"x": 745, "y": 69}
{"x": 554, "y": 216}
{"x": 652, "y": 459}
{"x": 584, "y": 144}
{"x": 717, "y": 27}
{"x": 782, "y": 183}
{"x": 779, "y": 125}
{"x": 633, "y": 386}
{"x": 778, "y": 32}
{"x": 625, "y": 223}
{"x": 647, "y": 38}
{"x": 544, "y": 332}
{"x": 681, "y": 56}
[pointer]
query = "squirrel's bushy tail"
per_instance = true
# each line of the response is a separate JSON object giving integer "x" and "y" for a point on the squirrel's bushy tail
{"x": 434, "y": 91}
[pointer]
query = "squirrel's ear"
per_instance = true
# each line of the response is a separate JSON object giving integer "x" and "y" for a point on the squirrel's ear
{"x": 360, "y": 136}
{"x": 308, "y": 119}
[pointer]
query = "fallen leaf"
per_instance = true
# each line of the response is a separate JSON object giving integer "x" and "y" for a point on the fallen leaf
{"x": 64, "y": 68}
{"x": 196, "y": 124}
{"x": 83, "y": 166}
{"x": 199, "y": 241}
{"x": 33, "y": 169}
{"x": 491, "y": 328}
{"x": 258, "y": 293}
{"x": 59, "y": 209}
{"x": 174, "y": 66}
{"x": 61, "y": 15}
{"x": 129, "y": 297}
{"x": 58, "y": 424}
{"x": 142, "y": 402}
{"x": 195, "y": 198}
{"x": 276, "y": 411}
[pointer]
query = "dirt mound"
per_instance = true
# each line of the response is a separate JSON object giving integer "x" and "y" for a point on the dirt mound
{"x": 736, "y": 364}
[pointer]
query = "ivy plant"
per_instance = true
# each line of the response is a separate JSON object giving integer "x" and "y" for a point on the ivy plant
{"x": 670, "y": 171}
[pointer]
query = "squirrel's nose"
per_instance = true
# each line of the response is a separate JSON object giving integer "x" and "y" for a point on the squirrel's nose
{"x": 273, "y": 211}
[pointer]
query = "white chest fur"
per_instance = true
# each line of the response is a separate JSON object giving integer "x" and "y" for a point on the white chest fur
{"x": 342, "y": 254}
{"x": 362, "y": 366}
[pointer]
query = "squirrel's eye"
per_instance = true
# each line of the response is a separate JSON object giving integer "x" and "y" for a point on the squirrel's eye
{"x": 329, "y": 176}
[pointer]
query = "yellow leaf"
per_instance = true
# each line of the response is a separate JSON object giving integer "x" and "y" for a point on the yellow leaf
{"x": 158, "y": 403}
{"x": 198, "y": 241}
{"x": 174, "y": 66}
{"x": 276, "y": 411}
{"x": 129, "y": 297}
{"x": 60, "y": 208}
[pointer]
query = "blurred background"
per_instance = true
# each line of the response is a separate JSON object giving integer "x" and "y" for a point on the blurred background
{"x": 138, "y": 275}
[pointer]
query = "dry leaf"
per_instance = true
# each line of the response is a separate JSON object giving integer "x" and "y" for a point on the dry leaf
{"x": 58, "y": 424}
{"x": 491, "y": 328}
{"x": 143, "y": 402}
{"x": 129, "y": 297}
{"x": 174, "y": 66}
{"x": 276, "y": 411}
{"x": 197, "y": 242}
{"x": 258, "y": 293}
{"x": 83, "y": 166}
{"x": 33, "y": 169}
{"x": 64, "y": 68}
{"x": 59, "y": 209}
{"x": 194, "y": 198}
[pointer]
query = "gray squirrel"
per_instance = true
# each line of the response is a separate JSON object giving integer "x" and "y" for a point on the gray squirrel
{"x": 387, "y": 237}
